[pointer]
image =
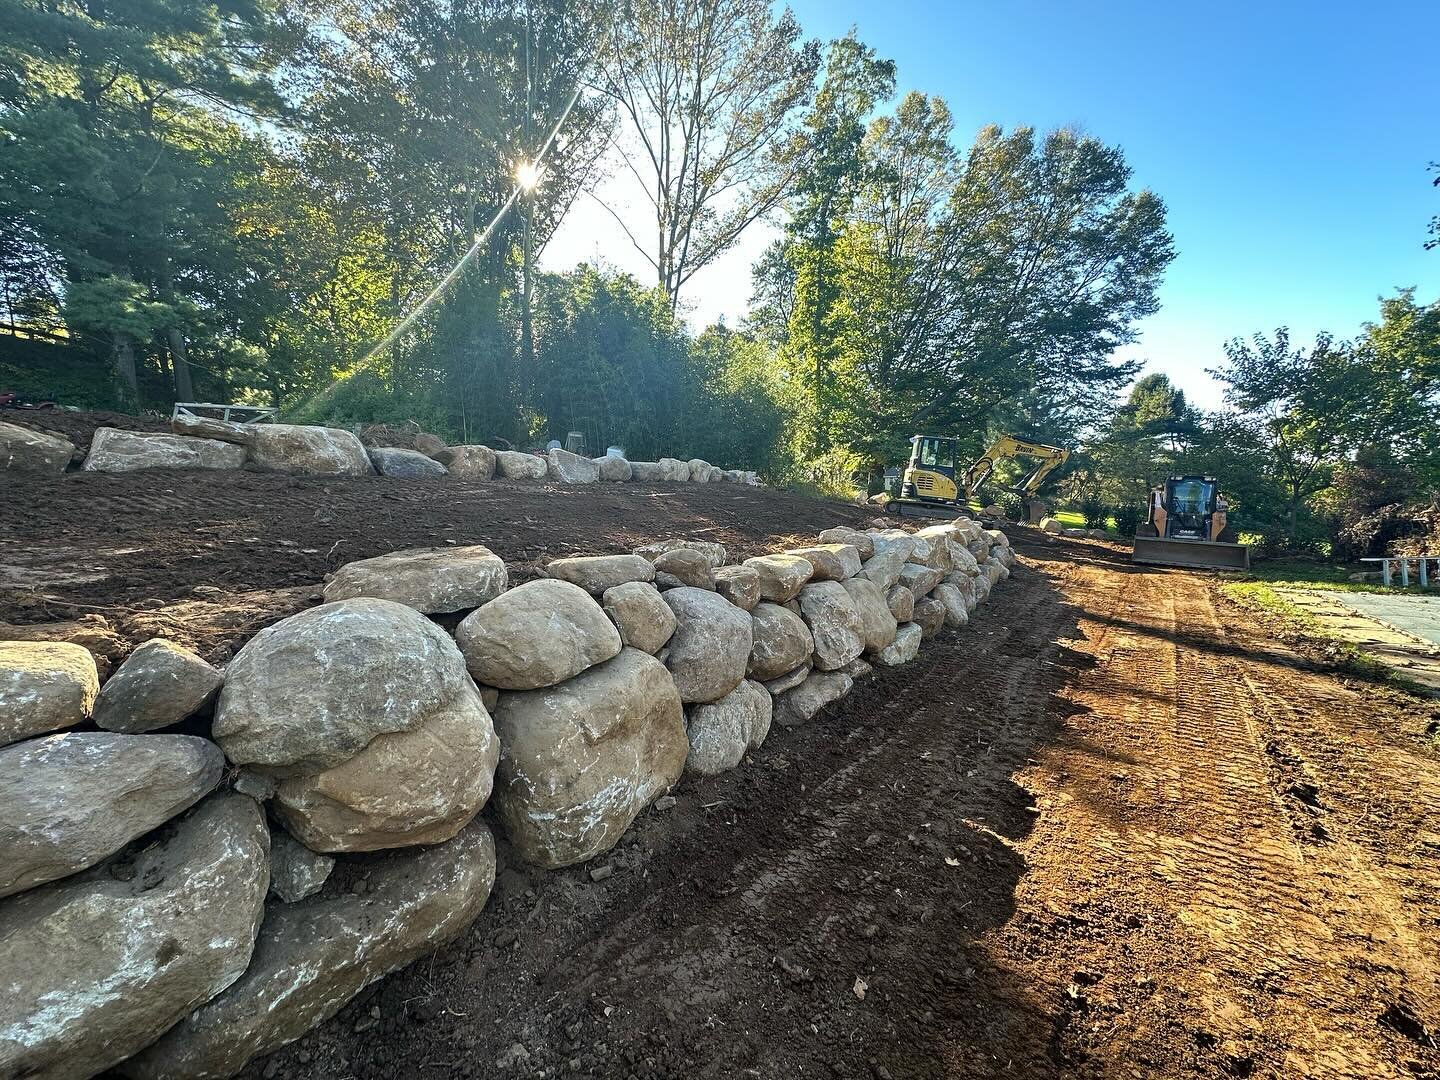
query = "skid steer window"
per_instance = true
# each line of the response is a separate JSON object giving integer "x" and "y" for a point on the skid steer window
{"x": 1192, "y": 497}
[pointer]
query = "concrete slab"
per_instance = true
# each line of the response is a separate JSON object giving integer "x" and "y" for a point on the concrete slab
{"x": 1417, "y": 615}
{"x": 1415, "y": 657}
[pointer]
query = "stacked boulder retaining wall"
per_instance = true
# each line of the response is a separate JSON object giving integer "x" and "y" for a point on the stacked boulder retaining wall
{"x": 190, "y": 881}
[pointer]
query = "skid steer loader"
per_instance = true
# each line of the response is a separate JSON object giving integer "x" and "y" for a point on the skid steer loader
{"x": 1187, "y": 526}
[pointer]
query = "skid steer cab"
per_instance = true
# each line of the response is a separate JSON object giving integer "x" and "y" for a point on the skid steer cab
{"x": 1186, "y": 526}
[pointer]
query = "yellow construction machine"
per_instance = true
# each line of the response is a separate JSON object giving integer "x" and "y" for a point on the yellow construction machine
{"x": 932, "y": 479}
{"x": 1187, "y": 526}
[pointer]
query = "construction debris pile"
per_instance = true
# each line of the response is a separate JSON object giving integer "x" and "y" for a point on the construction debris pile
{"x": 197, "y": 866}
{"x": 200, "y": 443}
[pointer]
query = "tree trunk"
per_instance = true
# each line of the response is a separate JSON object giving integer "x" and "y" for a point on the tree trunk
{"x": 184, "y": 385}
{"x": 124, "y": 361}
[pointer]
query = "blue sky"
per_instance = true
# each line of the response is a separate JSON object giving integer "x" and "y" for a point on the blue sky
{"x": 1290, "y": 142}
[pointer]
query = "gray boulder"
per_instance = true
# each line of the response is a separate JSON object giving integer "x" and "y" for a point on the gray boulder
{"x": 956, "y": 612}
{"x": 312, "y": 690}
{"x": 883, "y": 568}
{"x": 314, "y": 956}
{"x": 781, "y": 642}
{"x": 965, "y": 585}
{"x": 830, "y": 562}
{"x": 434, "y": 581}
{"x": 676, "y": 471}
{"x": 795, "y": 707}
{"x": 44, "y": 686}
{"x": 962, "y": 561}
{"x": 33, "y": 451}
{"x": 515, "y": 465}
{"x": 648, "y": 472}
{"x": 582, "y": 759}
{"x": 739, "y": 584}
{"x": 687, "y": 566}
{"x": 295, "y": 871}
{"x": 98, "y": 966}
{"x": 613, "y": 469}
{"x": 781, "y": 576}
{"x": 903, "y": 649}
{"x": 596, "y": 573}
{"x": 699, "y": 470}
{"x": 419, "y": 786}
{"x": 919, "y": 578}
{"x": 114, "y": 450}
{"x": 714, "y": 553}
{"x": 834, "y": 623}
{"x": 403, "y": 464}
{"x": 68, "y": 801}
{"x": 790, "y": 679}
{"x": 863, "y": 543}
{"x": 877, "y": 625}
{"x": 205, "y": 427}
{"x": 901, "y": 602}
{"x": 467, "y": 462}
{"x": 644, "y": 620}
{"x": 721, "y": 732}
{"x": 158, "y": 685}
{"x": 317, "y": 451}
{"x": 711, "y": 646}
{"x": 929, "y": 615}
{"x": 570, "y": 468}
{"x": 538, "y": 634}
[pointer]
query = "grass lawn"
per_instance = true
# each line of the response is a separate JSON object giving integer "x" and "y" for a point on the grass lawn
{"x": 1308, "y": 574}
{"x": 1073, "y": 519}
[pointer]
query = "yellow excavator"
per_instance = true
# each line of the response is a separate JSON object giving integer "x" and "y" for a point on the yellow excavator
{"x": 932, "y": 480}
{"x": 1187, "y": 525}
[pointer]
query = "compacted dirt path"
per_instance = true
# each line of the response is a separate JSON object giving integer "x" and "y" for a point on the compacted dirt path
{"x": 1107, "y": 830}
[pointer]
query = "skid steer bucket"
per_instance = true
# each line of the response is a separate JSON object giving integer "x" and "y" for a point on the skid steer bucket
{"x": 1205, "y": 554}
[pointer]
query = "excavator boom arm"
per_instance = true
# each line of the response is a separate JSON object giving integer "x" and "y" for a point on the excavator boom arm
{"x": 1007, "y": 446}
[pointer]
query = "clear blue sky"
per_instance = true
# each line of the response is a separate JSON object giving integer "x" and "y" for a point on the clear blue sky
{"x": 1289, "y": 140}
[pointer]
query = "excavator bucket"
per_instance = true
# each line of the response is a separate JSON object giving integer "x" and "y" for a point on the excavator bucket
{"x": 1203, "y": 554}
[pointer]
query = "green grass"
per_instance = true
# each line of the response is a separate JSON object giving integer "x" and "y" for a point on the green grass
{"x": 1073, "y": 519}
{"x": 1308, "y": 574}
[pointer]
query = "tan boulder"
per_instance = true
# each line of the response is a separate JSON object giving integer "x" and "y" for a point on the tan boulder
{"x": 644, "y": 620}
{"x": 515, "y": 465}
{"x": 722, "y": 732}
{"x": 317, "y": 451}
{"x": 711, "y": 646}
{"x": 901, "y": 602}
{"x": 780, "y": 642}
{"x": 687, "y": 566}
{"x": 116, "y": 450}
{"x": 537, "y": 634}
{"x": 739, "y": 584}
{"x": 435, "y": 581}
{"x": 834, "y": 623}
{"x": 830, "y": 562}
{"x": 877, "y": 625}
{"x": 781, "y": 576}
{"x": 44, "y": 686}
{"x": 467, "y": 462}
{"x": 597, "y": 573}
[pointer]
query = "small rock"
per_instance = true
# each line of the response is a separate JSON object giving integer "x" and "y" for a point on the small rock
{"x": 601, "y": 873}
{"x": 158, "y": 685}
{"x": 665, "y": 802}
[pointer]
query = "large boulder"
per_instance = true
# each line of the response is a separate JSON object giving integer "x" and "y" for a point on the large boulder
{"x": 613, "y": 469}
{"x": 802, "y": 703}
{"x": 435, "y": 581}
{"x": 597, "y": 573}
{"x": 962, "y": 561}
{"x": 538, "y": 634}
{"x": 781, "y": 576}
{"x": 644, "y": 620}
{"x": 98, "y": 966}
{"x": 582, "y": 759}
{"x": 883, "y": 568}
{"x": 901, "y": 602}
{"x": 903, "y": 649}
{"x": 33, "y": 451}
{"x": 158, "y": 685}
{"x": 649, "y": 472}
{"x": 830, "y": 562}
{"x": 834, "y": 622}
{"x": 997, "y": 536}
{"x": 430, "y": 445}
{"x": 699, "y": 470}
{"x": 877, "y": 625}
{"x": 714, "y": 553}
{"x": 965, "y": 585}
{"x": 401, "y": 464}
{"x": 676, "y": 471}
{"x": 516, "y": 465}
{"x": 957, "y": 614}
{"x": 781, "y": 642}
{"x": 920, "y": 579}
{"x": 314, "y": 956}
{"x": 318, "y": 451}
{"x": 312, "y": 690}
{"x": 740, "y": 585}
{"x": 711, "y": 646}
{"x": 1051, "y": 526}
{"x": 915, "y": 548}
{"x": 863, "y": 543}
{"x": 570, "y": 468}
{"x": 721, "y": 732}
{"x": 44, "y": 686}
{"x": 419, "y": 786}
{"x": 68, "y": 801}
{"x": 685, "y": 566}
{"x": 114, "y": 450}
{"x": 206, "y": 427}
{"x": 929, "y": 615}
{"x": 467, "y": 462}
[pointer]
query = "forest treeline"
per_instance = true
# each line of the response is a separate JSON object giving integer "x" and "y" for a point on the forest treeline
{"x": 238, "y": 201}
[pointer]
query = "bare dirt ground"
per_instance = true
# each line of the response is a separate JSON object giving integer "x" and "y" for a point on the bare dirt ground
{"x": 1110, "y": 829}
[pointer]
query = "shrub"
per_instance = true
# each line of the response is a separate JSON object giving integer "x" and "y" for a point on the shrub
{"x": 1127, "y": 519}
{"x": 1095, "y": 513}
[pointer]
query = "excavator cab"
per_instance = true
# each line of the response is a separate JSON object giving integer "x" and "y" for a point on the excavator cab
{"x": 930, "y": 475}
{"x": 1186, "y": 526}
